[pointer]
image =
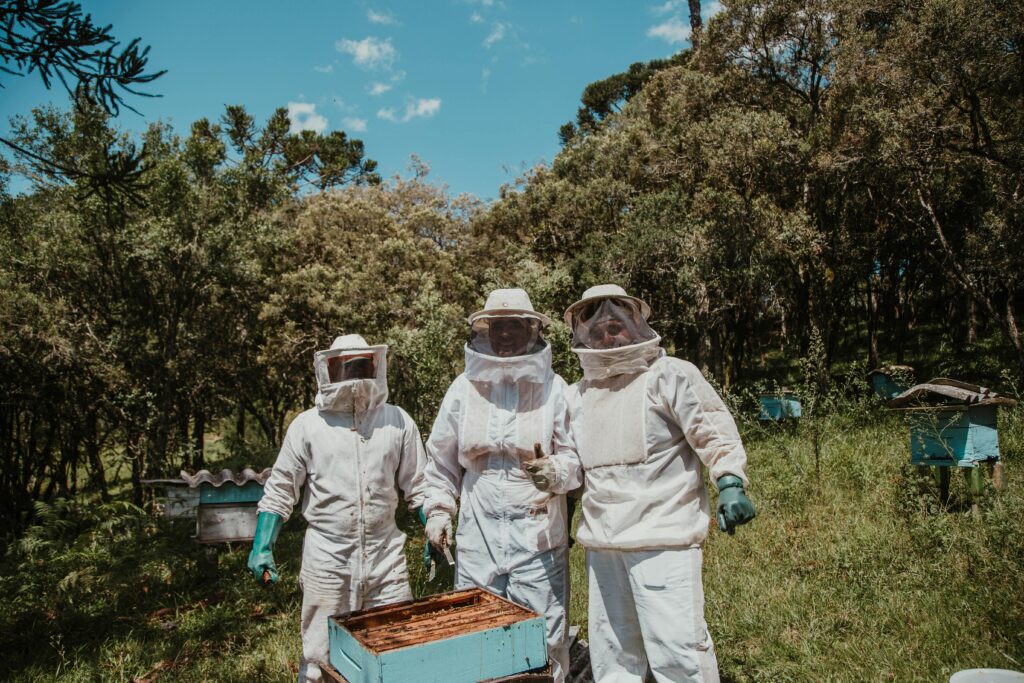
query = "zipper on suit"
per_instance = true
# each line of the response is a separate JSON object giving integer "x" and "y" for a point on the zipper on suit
{"x": 362, "y": 523}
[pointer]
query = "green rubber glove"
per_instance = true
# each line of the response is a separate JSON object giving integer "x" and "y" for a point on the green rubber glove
{"x": 261, "y": 559}
{"x": 734, "y": 508}
{"x": 429, "y": 552}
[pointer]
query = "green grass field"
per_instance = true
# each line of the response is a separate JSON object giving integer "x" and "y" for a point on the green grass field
{"x": 853, "y": 572}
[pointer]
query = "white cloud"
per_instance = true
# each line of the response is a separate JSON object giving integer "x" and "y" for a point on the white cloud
{"x": 671, "y": 31}
{"x": 668, "y": 7}
{"x": 355, "y": 125}
{"x": 370, "y": 52}
{"x": 379, "y": 89}
{"x": 324, "y": 69}
{"x": 414, "y": 109}
{"x": 383, "y": 18}
{"x": 303, "y": 116}
{"x": 711, "y": 9}
{"x": 476, "y": 18}
{"x": 496, "y": 35}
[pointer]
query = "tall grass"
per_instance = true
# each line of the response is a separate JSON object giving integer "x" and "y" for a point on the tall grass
{"x": 851, "y": 572}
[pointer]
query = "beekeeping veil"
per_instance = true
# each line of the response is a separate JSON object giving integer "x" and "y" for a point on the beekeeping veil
{"x": 610, "y": 333}
{"x": 616, "y": 347}
{"x": 507, "y": 326}
{"x": 351, "y": 376}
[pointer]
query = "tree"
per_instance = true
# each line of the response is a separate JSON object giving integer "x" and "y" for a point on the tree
{"x": 60, "y": 43}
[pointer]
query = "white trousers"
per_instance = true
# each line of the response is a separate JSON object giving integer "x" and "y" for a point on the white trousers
{"x": 647, "y": 612}
{"x": 320, "y": 601}
{"x": 541, "y": 584}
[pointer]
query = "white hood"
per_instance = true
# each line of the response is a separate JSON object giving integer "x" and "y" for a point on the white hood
{"x": 354, "y": 396}
{"x": 605, "y": 363}
{"x": 531, "y": 367}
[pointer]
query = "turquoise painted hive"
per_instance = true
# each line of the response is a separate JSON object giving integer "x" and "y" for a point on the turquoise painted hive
{"x": 954, "y": 437}
{"x": 890, "y": 381}
{"x": 227, "y": 509}
{"x": 779, "y": 407}
{"x": 952, "y": 423}
{"x": 459, "y": 637}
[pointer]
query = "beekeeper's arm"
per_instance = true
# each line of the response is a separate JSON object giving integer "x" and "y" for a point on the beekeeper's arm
{"x": 280, "y": 494}
{"x": 413, "y": 461}
{"x": 711, "y": 432}
{"x": 443, "y": 473}
{"x": 560, "y": 471}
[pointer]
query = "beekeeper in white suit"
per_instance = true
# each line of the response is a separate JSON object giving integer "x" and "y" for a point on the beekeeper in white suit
{"x": 349, "y": 452}
{"x": 512, "y": 533}
{"x": 644, "y": 423}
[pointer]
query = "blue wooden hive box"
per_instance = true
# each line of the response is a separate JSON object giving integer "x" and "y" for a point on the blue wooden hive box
{"x": 227, "y": 504}
{"x": 780, "y": 406}
{"x": 460, "y": 637}
{"x": 952, "y": 423}
{"x": 890, "y": 381}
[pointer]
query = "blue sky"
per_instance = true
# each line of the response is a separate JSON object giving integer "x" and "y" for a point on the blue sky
{"x": 476, "y": 88}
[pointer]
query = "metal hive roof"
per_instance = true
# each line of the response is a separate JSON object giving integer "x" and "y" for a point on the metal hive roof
{"x": 945, "y": 392}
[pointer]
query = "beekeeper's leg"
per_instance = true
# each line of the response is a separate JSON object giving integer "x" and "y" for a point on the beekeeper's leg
{"x": 475, "y": 568}
{"x": 320, "y": 600}
{"x": 540, "y": 585}
{"x": 616, "y": 645}
{"x": 392, "y": 584}
{"x": 669, "y": 595}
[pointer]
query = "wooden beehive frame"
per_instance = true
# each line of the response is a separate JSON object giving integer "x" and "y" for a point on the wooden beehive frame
{"x": 411, "y": 623}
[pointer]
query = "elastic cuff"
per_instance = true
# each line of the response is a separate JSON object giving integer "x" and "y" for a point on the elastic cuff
{"x": 728, "y": 481}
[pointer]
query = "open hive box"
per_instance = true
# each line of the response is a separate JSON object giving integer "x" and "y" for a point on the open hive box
{"x": 460, "y": 637}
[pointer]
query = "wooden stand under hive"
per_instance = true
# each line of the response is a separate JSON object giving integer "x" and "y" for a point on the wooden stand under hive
{"x": 461, "y": 637}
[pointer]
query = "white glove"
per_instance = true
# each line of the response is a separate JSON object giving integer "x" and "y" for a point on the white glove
{"x": 542, "y": 471}
{"x": 439, "y": 529}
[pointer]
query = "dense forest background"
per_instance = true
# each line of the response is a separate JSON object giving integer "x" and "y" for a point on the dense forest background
{"x": 831, "y": 178}
{"x": 815, "y": 188}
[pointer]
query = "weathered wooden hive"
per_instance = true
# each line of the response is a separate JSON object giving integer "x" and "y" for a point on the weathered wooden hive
{"x": 460, "y": 637}
{"x": 223, "y": 504}
{"x": 227, "y": 503}
{"x": 779, "y": 406}
{"x": 889, "y": 381}
{"x": 952, "y": 423}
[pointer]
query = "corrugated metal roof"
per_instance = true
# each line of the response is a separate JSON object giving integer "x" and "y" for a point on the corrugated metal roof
{"x": 892, "y": 369}
{"x": 945, "y": 392}
{"x": 224, "y": 476}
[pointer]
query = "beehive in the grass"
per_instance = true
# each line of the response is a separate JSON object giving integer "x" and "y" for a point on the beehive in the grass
{"x": 460, "y": 637}
{"x": 890, "y": 381}
{"x": 951, "y": 423}
{"x": 779, "y": 406}
{"x": 227, "y": 504}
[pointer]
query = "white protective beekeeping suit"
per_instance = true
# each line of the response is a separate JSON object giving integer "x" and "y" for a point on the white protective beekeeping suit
{"x": 512, "y": 538}
{"x": 349, "y": 452}
{"x": 644, "y": 424}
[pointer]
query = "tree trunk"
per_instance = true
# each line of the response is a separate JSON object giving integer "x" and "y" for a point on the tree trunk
{"x": 198, "y": 434}
{"x": 872, "y": 306}
{"x": 696, "y": 23}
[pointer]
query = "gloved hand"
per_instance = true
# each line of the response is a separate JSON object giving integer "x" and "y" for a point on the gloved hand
{"x": 439, "y": 529}
{"x": 734, "y": 508}
{"x": 261, "y": 558}
{"x": 542, "y": 471}
{"x": 430, "y": 553}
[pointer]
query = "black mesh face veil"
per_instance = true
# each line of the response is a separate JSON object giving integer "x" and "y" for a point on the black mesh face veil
{"x": 609, "y": 324}
{"x": 505, "y": 336}
{"x": 342, "y": 368}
